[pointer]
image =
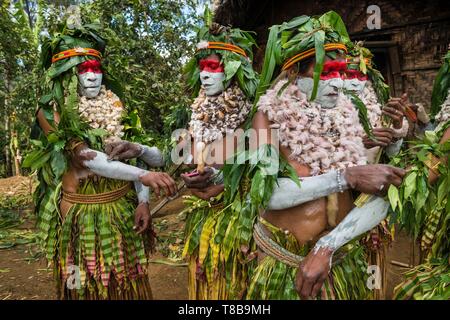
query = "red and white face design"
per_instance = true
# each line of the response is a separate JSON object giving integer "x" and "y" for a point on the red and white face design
{"x": 212, "y": 75}
{"x": 355, "y": 81}
{"x": 90, "y": 77}
{"x": 330, "y": 83}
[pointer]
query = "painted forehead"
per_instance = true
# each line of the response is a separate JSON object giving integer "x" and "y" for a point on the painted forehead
{"x": 211, "y": 65}
{"x": 90, "y": 66}
{"x": 334, "y": 65}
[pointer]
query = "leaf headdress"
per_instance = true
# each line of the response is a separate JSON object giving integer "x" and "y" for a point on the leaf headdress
{"x": 234, "y": 46}
{"x": 441, "y": 86}
{"x": 301, "y": 38}
{"x": 360, "y": 58}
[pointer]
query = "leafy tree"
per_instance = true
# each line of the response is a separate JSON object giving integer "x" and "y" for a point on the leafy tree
{"x": 149, "y": 41}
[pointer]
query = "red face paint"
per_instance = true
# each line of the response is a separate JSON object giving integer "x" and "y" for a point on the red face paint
{"x": 211, "y": 65}
{"x": 355, "y": 74}
{"x": 90, "y": 66}
{"x": 333, "y": 69}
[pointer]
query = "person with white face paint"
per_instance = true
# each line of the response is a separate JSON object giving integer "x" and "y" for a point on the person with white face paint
{"x": 305, "y": 228}
{"x": 391, "y": 136}
{"x": 90, "y": 77}
{"x": 212, "y": 75}
{"x": 221, "y": 107}
{"x": 100, "y": 219}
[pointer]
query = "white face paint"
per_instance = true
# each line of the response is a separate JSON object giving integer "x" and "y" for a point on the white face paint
{"x": 89, "y": 84}
{"x": 355, "y": 85}
{"x": 327, "y": 90}
{"x": 212, "y": 82}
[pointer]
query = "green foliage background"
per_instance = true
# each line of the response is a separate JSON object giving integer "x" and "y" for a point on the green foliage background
{"x": 148, "y": 44}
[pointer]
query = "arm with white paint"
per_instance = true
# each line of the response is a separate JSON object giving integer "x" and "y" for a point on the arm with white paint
{"x": 101, "y": 166}
{"x": 356, "y": 223}
{"x": 152, "y": 156}
{"x": 143, "y": 192}
{"x": 288, "y": 194}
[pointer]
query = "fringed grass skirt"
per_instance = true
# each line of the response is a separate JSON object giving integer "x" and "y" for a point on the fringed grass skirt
{"x": 274, "y": 280}
{"x": 100, "y": 255}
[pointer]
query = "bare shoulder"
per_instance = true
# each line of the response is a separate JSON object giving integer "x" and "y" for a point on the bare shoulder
{"x": 43, "y": 122}
{"x": 260, "y": 121}
{"x": 446, "y": 135}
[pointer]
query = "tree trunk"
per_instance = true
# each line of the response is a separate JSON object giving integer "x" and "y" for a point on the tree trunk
{"x": 8, "y": 167}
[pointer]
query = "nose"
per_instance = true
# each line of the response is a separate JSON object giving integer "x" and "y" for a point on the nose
{"x": 91, "y": 76}
{"x": 204, "y": 76}
{"x": 337, "y": 83}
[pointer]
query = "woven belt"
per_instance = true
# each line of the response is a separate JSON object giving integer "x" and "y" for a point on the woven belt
{"x": 273, "y": 249}
{"x": 106, "y": 197}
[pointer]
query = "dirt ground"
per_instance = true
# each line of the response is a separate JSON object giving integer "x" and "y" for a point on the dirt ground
{"x": 22, "y": 276}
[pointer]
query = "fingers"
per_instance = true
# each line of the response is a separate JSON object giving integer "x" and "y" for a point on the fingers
{"x": 306, "y": 290}
{"x": 383, "y": 137}
{"x": 395, "y": 114}
{"x": 117, "y": 150}
{"x": 109, "y": 147}
{"x": 383, "y": 131}
{"x": 396, "y": 104}
{"x": 200, "y": 193}
{"x": 199, "y": 182}
{"x": 170, "y": 184}
{"x": 299, "y": 281}
{"x": 399, "y": 171}
{"x": 316, "y": 288}
{"x": 156, "y": 189}
{"x": 144, "y": 222}
{"x": 128, "y": 154}
{"x": 137, "y": 220}
{"x": 158, "y": 181}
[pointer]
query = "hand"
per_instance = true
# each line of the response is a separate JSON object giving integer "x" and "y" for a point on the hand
{"x": 312, "y": 273}
{"x": 374, "y": 178}
{"x": 157, "y": 181}
{"x": 122, "y": 150}
{"x": 395, "y": 109}
{"x": 200, "y": 181}
{"x": 142, "y": 218}
{"x": 208, "y": 192}
{"x": 383, "y": 137}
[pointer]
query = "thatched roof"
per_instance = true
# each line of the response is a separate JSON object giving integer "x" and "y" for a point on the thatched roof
{"x": 237, "y": 12}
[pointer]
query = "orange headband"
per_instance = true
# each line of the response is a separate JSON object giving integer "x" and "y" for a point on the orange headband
{"x": 76, "y": 52}
{"x": 225, "y": 46}
{"x": 353, "y": 61}
{"x": 311, "y": 52}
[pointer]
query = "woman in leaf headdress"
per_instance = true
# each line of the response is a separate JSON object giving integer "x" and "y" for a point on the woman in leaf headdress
{"x": 222, "y": 77}
{"x": 388, "y": 127}
{"x": 309, "y": 223}
{"x": 95, "y": 230}
{"x": 386, "y": 115}
{"x": 420, "y": 205}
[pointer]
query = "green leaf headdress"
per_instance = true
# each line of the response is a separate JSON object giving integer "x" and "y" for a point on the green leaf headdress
{"x": 441, "y": 86}
{"x": 73, "y": 45}
{"x": 301, "y": 38}
{"x": 360, "y": 58}
{"x": 234, "y": 46}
